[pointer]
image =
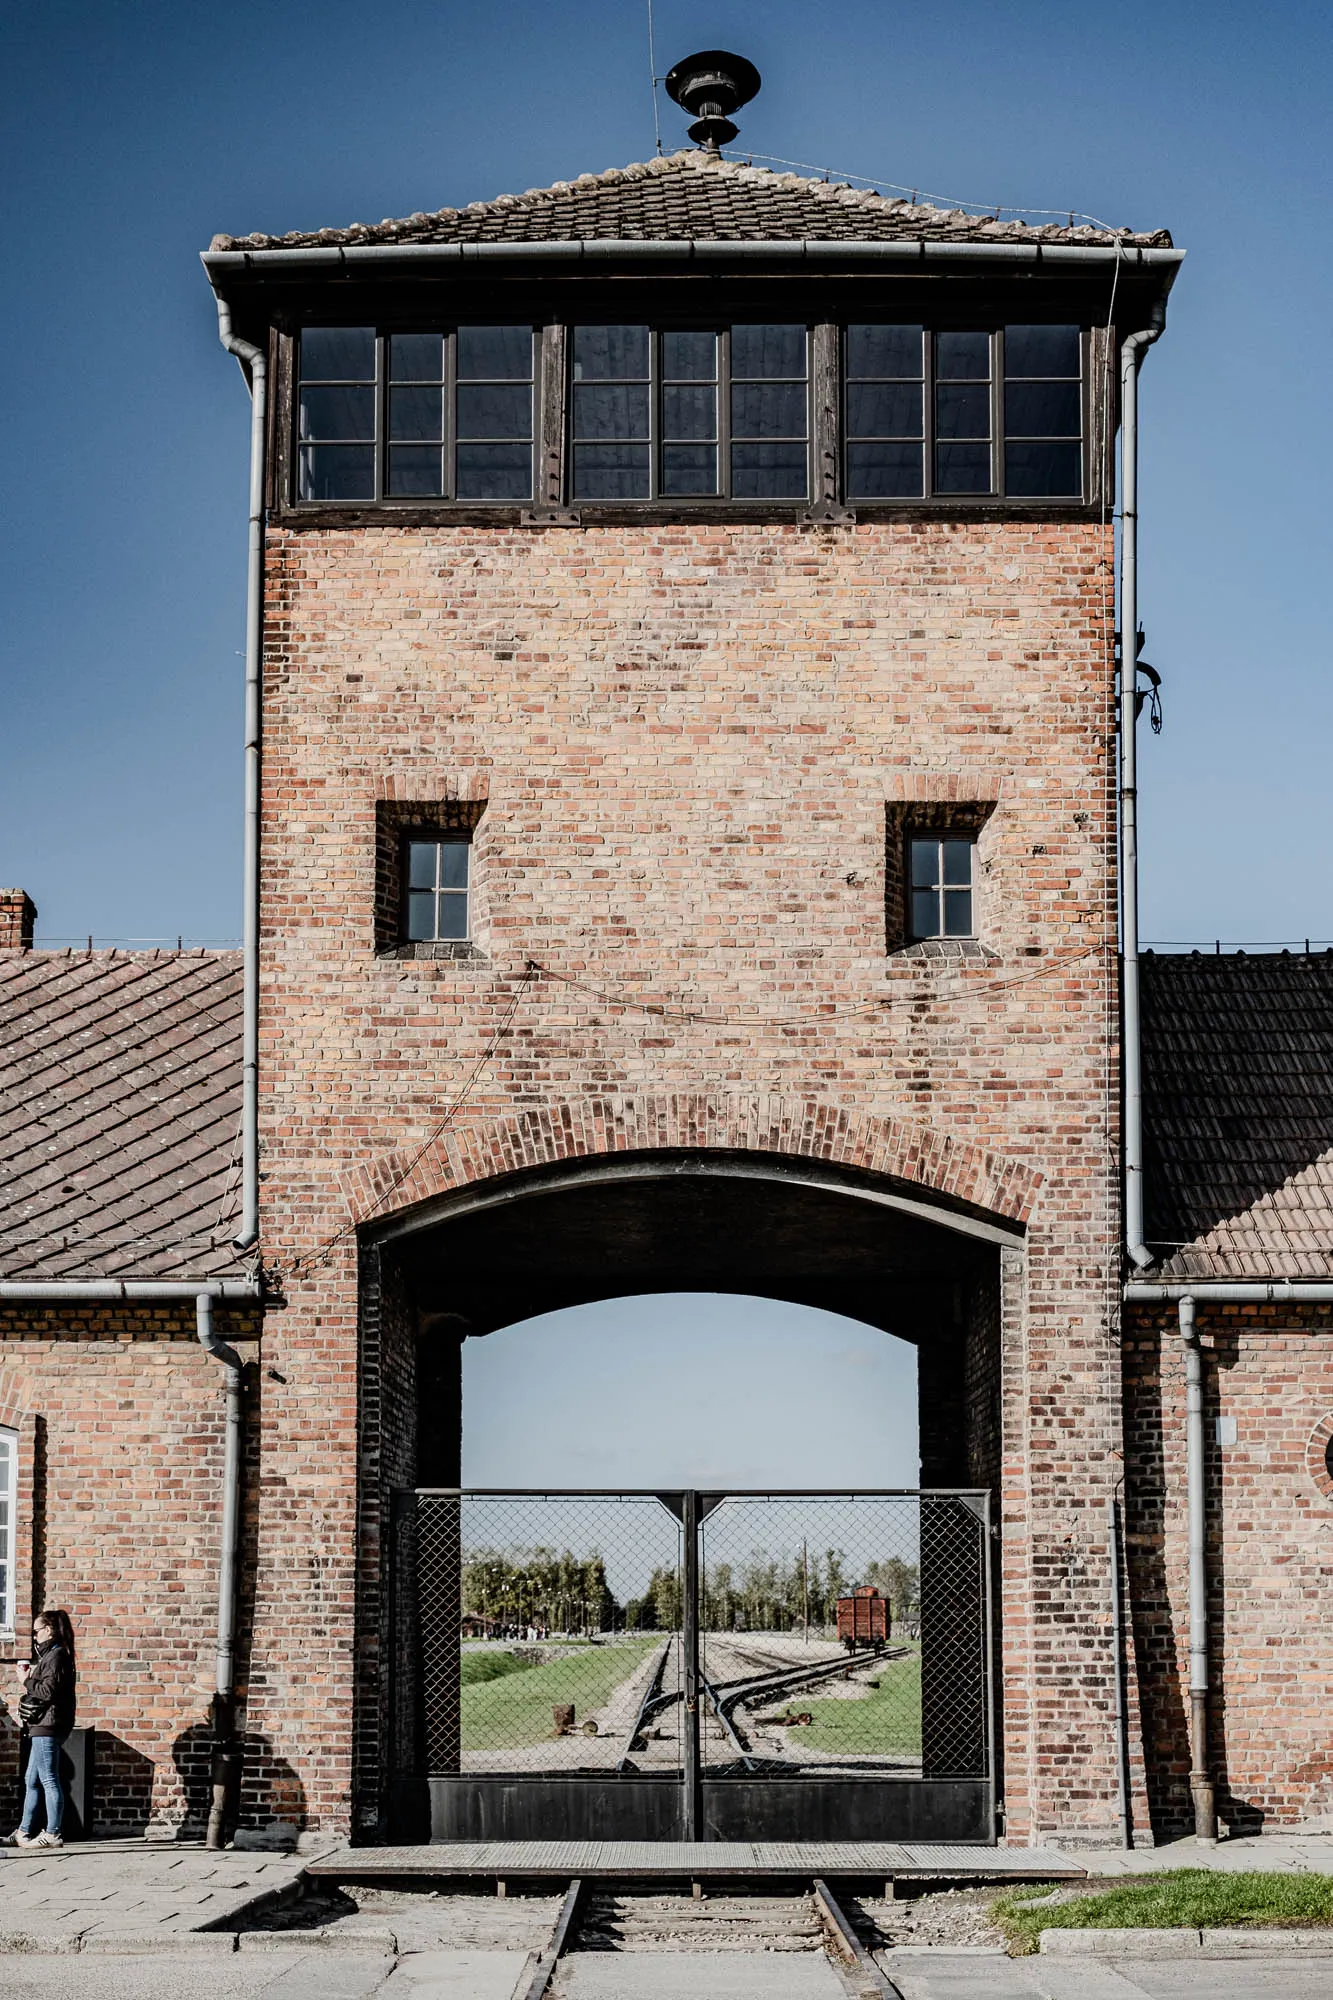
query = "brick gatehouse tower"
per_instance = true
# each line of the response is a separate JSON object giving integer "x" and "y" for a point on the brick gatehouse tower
{"x": 683, "y": 750}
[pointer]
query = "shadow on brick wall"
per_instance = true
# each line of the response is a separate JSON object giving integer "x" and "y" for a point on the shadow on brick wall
{"x": 122, "y": 1786}
{"x": 11, "y": 1802}
{"x": 272, "y": 1795}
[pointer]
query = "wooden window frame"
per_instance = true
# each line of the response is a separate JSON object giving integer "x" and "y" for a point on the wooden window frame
{"x": 9, "y": 1536}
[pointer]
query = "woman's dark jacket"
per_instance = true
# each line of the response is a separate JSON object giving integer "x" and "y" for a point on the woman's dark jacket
{"x": 46, "y": 1706}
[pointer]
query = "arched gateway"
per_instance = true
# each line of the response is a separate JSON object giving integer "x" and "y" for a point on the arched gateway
{"x": 868, "y": 1218}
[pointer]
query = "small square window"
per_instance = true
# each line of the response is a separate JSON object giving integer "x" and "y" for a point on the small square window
{"x": 940, "y": 877}
{"x": 437, "y": 891}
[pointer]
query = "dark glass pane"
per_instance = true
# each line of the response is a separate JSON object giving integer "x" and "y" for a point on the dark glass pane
{"x": 962, "y": 357}
{"x": 336, "y": 413}
{"x": 1041, "y": 350}
{"x": 689, "y": 357}
{"x": 416, "y": 469}
{"x": 957, "y": 859}
{"x": 958, "y": 913}
{"x": 767, "y": 350}
{"x": 962, "y": 468}
{"x": 453, "y": 916}
{"x": 611, "y": 472}
{"x": 336, "y": 472}
{"x": 494, "y": 472}
{"x": 453, "y": 864}
{"x": 604, "y": 353}
{"x": 689, "y": 468}
{"x": 416, "y": 357}
{"x": 768, "y": 471}
{"x": 884, "y": 409}
{"x": 689, "y": 413}
{"x": 421, "y": 859}
{"x": 884, "y": 471}
{"x": 1042, "y": 409}
{"x": 1043, "y": 471}
{"x": 925, "y": 913}
{"x": 420, "y": 916}
{"x": 770, "y": 410}
{"x": 962, "y": 410}
{"x": 495, "y": 411}
{"x": 884, "y": 350}
{"x": 925, "y": 863}
{"x": 606, "y": 410}
{"x": 416, "y": 413}
{"x": 338, "y": 354}
{"x": 491, "y": 352}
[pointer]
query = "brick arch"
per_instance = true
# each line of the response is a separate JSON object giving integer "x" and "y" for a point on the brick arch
{"x": 1317, "y": 1455}
{"x": 917, "y": 1156}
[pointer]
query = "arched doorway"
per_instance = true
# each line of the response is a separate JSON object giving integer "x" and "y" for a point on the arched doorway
{"x": 672, "y": 1628}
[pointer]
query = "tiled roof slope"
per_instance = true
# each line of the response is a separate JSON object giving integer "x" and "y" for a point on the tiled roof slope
{"x": 694, "y": 197}
{"x": 120, "y": 1097}
{"x": 1238, "y": 1084}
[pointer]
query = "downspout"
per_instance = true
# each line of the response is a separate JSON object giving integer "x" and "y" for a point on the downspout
{"x": 226, "y": 1765}
{"x": 1131, "y": 356}
{"x": 1120, "y": 1719}
{"x": 1201, "y": 1784}
{"x": 254, "y": 366}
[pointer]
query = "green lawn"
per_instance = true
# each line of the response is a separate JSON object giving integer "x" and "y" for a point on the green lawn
{"x": 888, "y": 1719}
{"x": 1188, "y": 1898}
{"x": 514, "y": 1710}
{"x": 475, "y": 1668}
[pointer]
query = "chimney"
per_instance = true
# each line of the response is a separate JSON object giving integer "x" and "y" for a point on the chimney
{"x": 18, "y": 914}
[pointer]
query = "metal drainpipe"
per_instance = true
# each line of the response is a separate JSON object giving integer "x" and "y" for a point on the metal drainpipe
{"x": 1201, "y": 1785}
{"x": 226, "y": 1767}
{"x": 1120, "y": 1718}
{"x": 255, "y": 366}
{"x": 1131, "y": 355}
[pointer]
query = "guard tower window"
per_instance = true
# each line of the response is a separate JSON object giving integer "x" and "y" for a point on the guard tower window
{"x": 885, "y": 412}
{"x": 689, "y": 413}
{"x": 1043, "y": 411}
{"x": 437, "y": 890}
{"x": 8, "y": 1525}
{"x": 940, "y": 875}
{"x": 426, "y": 416}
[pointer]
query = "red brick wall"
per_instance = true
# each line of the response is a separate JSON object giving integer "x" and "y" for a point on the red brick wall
{"x": 119, "y": 1413}
{"x": 688, "y": 739}
{"x": 1270, "y": 1558}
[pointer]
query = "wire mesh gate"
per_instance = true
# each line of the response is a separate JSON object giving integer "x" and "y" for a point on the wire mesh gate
{"x": 686, "y": 1665}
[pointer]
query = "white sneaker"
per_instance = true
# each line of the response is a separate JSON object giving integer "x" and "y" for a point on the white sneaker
{"x": 17, "y": 1839}
{"x": 46, "y": 1840}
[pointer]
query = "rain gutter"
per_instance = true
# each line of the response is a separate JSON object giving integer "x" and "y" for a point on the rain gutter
{"x": 349, "y": 258}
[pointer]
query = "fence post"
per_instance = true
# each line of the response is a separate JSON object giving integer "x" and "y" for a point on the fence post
{"x": 690, "y": 1667}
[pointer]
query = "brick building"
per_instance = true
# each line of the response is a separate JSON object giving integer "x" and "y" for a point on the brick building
{"x": 686, "y": 850}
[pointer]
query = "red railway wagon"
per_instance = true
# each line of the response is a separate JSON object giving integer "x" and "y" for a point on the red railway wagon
{"x": 863, "y": 1619}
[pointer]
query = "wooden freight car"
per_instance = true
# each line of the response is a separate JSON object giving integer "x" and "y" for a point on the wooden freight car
{"x": 863, "y": 1619}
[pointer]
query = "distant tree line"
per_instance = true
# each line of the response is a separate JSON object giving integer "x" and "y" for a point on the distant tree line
{"x": 515, "y": 1590}
{"x": 776, "y": 1593}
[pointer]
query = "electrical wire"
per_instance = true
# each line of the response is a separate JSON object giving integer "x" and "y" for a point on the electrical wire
{"x": 654, "y": 79}
{"x": 985, "y": 209}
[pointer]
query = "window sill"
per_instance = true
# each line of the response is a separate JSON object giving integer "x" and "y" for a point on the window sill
{"x": 945, "y": 948}
{"x": 457, "y": 950}
{"x": 658, "y": 513}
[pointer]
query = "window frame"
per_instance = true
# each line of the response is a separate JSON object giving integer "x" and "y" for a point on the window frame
{"x": 427, "y": 837}
{"x": 723, "y": 496}
{"x": 381, "y": 445}
{"x": 931, "y": 494}
{"x": 9, "y": 1492}
{"x": 937, "y": 835}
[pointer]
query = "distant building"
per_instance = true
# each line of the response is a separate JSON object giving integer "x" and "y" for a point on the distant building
{"x": 687, "y": 849}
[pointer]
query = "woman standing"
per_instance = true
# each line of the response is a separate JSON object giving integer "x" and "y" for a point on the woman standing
{"x": 46, "y": 1710}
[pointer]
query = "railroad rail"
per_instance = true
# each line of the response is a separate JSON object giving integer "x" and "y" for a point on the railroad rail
{"x": 857, "y": 1973}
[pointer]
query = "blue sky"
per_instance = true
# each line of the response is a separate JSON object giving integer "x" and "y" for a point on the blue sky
{"x": 132, "y": 133}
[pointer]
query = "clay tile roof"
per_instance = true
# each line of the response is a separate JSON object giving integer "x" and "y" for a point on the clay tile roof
{"x": 694, "y": 197}
{"x": 119, "y": 1114}
{"x": 1238, "y": 1082}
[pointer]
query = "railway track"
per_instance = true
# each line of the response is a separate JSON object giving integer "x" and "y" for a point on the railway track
{"x": 597, "y": 1919}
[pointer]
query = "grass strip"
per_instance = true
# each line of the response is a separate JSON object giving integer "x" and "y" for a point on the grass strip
{"x": 475, "y": 1668}
{"x": 888, "y": 1718}
{"x": 1185, "y": 1899}
{"x": 515, "y": 1710}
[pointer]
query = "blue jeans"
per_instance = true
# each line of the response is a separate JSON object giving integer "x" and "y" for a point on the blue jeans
{"x": 44, "y": 1776}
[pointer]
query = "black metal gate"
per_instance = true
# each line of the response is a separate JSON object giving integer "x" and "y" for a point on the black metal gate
{"x": 688, "y": 1665}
